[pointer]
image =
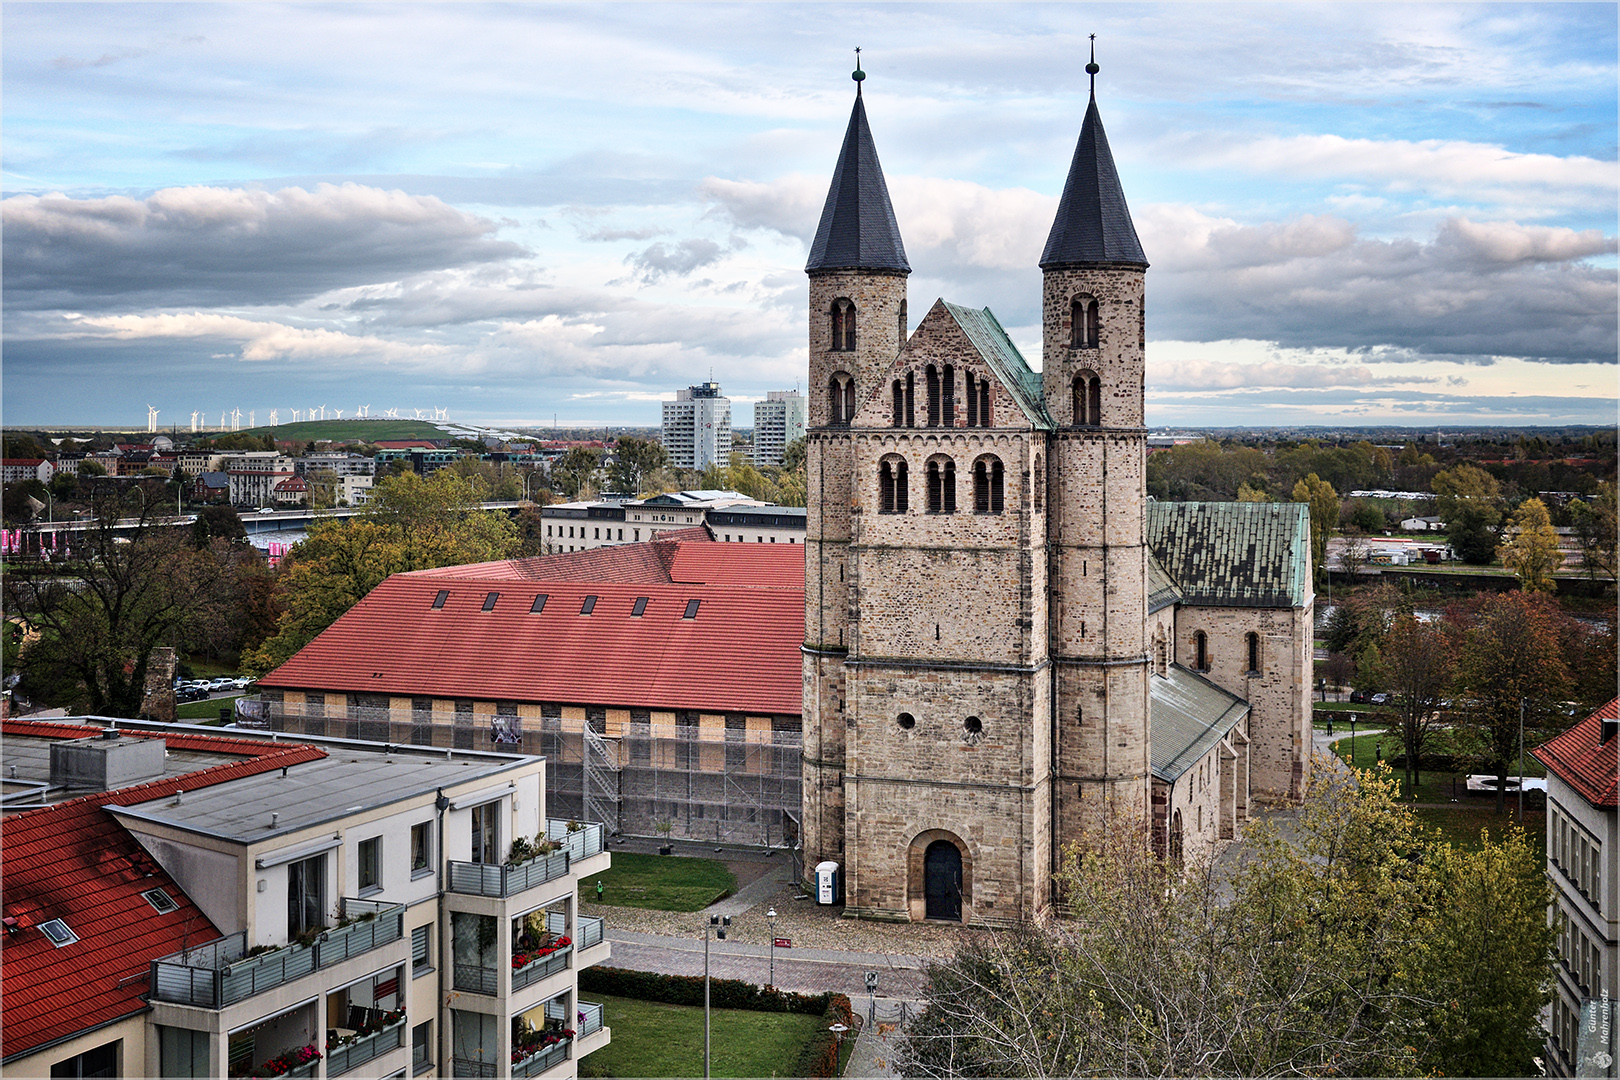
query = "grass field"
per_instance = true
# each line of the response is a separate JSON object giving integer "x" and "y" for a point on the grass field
{"x": 1458, "y": 822}
{"x": 663, "y": 883}
{"x": 365, "y": 430}
{"x": 207, "y": 709}
{"x": 651, "y": 1038}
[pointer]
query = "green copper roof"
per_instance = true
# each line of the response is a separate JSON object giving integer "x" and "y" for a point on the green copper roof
{"x": 1190, "y": 715}
{"x": 1004, "y": 359}
{"x": 1234, "y": 554}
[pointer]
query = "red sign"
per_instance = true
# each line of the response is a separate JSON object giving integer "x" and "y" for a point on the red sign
{"x": 782, "y": 943}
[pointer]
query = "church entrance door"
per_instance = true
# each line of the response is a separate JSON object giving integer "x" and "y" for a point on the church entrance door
{"x": 942, "y": 880}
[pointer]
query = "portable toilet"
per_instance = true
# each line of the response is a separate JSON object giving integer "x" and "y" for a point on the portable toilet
{"x": 828, "y": 884}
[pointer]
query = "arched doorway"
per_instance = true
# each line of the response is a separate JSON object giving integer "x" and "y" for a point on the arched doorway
{"x": 942, "y": 881}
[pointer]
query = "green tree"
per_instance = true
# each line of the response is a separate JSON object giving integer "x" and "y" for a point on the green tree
{"x": 1415, "y": 666}
{"x": 793, "y": 455}
{"x": 216, "y": 523}
{"x": 1363, "y": 515}
{"x": 1469, "y": 499}
{"x": 1595, "y": 527}
{"x": 1324, "y": 952}
{"x": 1509, "y": 651}
{"x": 1532, "y": 552}
{"x": 133, "y": 590}
{"x": 1323, "y": 501}
{"x": 1245, "y": 493}
{"x": 411, "y": 523}
{"x": 634, "y": 461}
{"x": 572, "y": 473}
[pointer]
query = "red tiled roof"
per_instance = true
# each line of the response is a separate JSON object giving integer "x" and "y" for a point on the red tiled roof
{"x": 74, "y": 862}
{"x": 31, "y": 462}
{"x": 1580, "y": 759}
{"x": 739, "y": 654}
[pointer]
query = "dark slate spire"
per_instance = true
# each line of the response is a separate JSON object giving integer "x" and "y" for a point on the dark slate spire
{"x": 858, "y": 230}
{"x": 1093, "y": 223}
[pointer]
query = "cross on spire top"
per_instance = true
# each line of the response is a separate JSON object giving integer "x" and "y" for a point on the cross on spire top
{"x": 1092, "y": 68}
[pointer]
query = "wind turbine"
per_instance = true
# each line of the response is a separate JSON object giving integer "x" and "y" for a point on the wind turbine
{"x": 252, "y": 423}
{"x": 236, "y": 419}
{"x": 151, "y": 418}
{"x": 224, "y": 422}
{"x": 338, "y": 413}
{"x": 194, "y": 421}
{"x": 275, "y": 417}
{"x": 393, "y": 414}
{"x": 418, "y": 413}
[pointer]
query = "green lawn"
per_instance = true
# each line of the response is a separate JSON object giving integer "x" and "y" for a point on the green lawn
{"x": 1461, "y": 825}
{"x": 651, "y": 1038}
{"x": 207, "y": 709}
{"x": 661, "y": 882}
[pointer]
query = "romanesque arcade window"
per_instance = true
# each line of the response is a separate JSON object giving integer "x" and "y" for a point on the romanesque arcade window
{"x": 941, "y": 486}
{"x": 1083, "y": 323}
{"x": 933, "y": 395}
{"x": 905, "y": 401}
{"x": 1200, "y": 651}
{"x": 1254, "y": 654}
{"x": 948, "y": 396}
{"x": 1087, "y": 399}
{"x": 893, "y": 497}
{"x": 978, "y": 401}
{"x": 840, "y": 399}
{"x": 843, "y": 325}
{"x": 988, "y": 486}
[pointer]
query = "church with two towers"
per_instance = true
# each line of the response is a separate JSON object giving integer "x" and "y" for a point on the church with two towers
{"x": 1007, "y": 645}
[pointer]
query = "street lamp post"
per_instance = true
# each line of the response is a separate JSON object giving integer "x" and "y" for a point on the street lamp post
{"x": 770, "y": 917}
{"x": 838, "y": 1045}
{"x": 717, "y": 924}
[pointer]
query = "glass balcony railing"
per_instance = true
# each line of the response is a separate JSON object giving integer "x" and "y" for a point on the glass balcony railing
{"x": 221, "y": 972}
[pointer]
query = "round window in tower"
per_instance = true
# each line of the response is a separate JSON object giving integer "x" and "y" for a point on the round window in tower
{"x": 906, "y": 721}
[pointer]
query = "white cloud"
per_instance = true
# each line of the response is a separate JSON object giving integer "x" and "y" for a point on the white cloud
{"x": 260, "y": 340}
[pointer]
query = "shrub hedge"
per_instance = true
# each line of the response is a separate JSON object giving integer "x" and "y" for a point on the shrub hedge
{"x": 820, "y": 1055}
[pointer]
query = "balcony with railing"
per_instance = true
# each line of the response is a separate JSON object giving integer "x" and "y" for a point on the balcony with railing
{"x": 582, "y": 841}
{"x": 491, "y": 879}
{"x": 351, "y": 1052}
{"x": 226, "y": 971}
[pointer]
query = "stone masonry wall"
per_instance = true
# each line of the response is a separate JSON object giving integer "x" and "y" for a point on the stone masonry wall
{"x": 1279, "y": 695}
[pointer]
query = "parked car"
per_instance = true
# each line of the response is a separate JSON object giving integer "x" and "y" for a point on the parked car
{"x": 1360, "y": 697}
{"x": 1378, "y": 699}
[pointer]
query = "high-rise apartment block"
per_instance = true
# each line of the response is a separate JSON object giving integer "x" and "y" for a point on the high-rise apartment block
{"x": 778, "y": 420}
{"x": 697, "y": 427}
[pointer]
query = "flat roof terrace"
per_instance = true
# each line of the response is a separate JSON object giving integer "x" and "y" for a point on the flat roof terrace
{"x": 348, "y": 780}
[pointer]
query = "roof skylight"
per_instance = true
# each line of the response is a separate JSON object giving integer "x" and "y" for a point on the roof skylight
{"x": 438, "y": 601}
{"x": 58, "y": 932}
{"x": 160, "y": 900}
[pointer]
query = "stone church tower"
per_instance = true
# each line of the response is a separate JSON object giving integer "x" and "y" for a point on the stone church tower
{"x": 990, "y": 642}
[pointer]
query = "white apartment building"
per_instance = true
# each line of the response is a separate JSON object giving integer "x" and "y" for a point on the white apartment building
{"x": 697, "y": 427}
{"x": 1583, "y": 839}
{"x": 254, "y": 475}
{"x": 729, "y": 517}
{"x": 340, "y": 908}
{"x": 337, "y": 463}
{"x": 778, "y": 420}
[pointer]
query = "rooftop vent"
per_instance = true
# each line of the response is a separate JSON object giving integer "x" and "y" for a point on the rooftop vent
{"x": 106, "y": 764}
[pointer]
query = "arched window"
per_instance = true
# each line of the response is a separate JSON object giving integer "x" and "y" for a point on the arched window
{"x": 911, "y": 399}
{"x": 1200, "y": 651}
{"x": 1161, "y": 653}
{"x": 941, "y": 486}
{"x": 984, "y": 402}
{"x": 1254, "y": 653}
{"x": 843, "y": 325}
{"x": 949, "y": 396}
{"x": 1083, "y": 323}
{"x": 892, "y": 494}
{"x": 902, "y": 337}
{"x": 1037, "y": 481}
{"x": 1095, "y": 394}
{"x": 840, "y": 399}
{"x": 1177, "y": 844}
{"x": 899, "y": 409}
{"x": 933, "y": 396}
{"x": 987, "y": 486}
{"x": 972, "y": 401}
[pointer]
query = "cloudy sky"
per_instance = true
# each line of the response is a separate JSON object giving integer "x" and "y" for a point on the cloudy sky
{"x": 1356, "y": 213}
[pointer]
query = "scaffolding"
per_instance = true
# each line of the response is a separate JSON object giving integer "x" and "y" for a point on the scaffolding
{"x": 736, "y": 784}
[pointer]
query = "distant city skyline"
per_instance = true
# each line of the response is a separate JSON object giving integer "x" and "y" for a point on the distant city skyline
{"x": 1356, "y": 214}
